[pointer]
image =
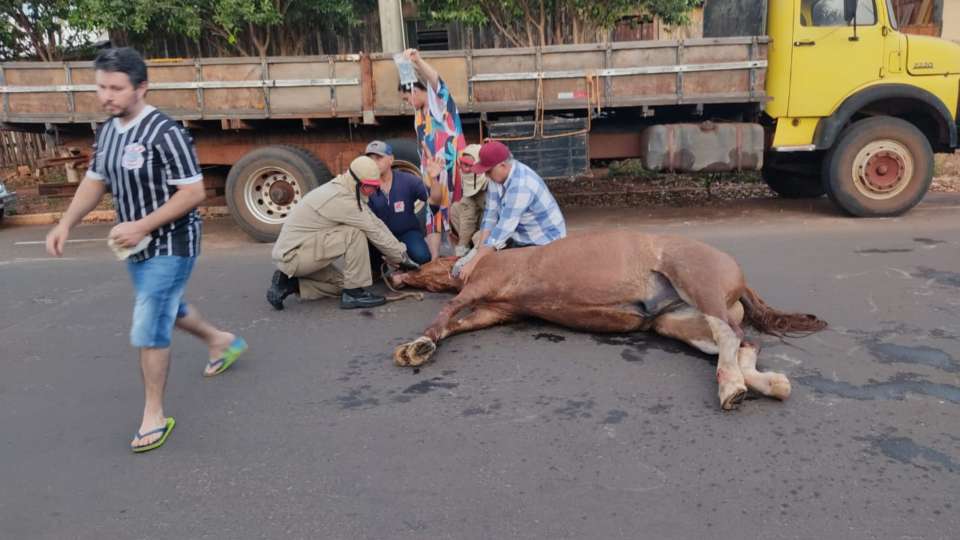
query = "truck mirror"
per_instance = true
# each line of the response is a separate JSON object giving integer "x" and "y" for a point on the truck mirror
{"x": 850, "y": 10}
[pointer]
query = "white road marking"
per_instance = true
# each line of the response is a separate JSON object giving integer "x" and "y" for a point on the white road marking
{"x": 43, "y": 242}
{"x": 44, "y": 259}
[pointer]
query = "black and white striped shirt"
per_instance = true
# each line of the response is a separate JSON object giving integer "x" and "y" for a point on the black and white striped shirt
{"x": 142, "y": 163}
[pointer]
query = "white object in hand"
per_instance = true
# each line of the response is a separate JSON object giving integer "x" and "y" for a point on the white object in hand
{"x": 122, "y": 253}
{"x": 407, "y": 74}
{"x": 461, "y": 262}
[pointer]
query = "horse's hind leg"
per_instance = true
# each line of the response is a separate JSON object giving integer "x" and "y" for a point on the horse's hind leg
{"x": 711, "y": 335}
{"x": 771, "y": 384}
{"x": 691, "y": 327}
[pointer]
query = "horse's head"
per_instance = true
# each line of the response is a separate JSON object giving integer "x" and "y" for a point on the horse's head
{"x": 433, "y": 276}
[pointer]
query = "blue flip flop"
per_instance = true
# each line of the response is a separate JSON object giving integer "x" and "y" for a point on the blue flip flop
{"x": 166, "y": 429}
{"x": 229, "y": 356}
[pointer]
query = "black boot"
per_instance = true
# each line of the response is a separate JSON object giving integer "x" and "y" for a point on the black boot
{"x": 281, "y": 287}
{"x": 360, "y": 298}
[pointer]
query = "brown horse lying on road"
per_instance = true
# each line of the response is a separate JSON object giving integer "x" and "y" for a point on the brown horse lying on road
{"x": 616, "y": 281}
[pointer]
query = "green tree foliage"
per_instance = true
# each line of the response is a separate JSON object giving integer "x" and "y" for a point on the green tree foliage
{"x": 37, "y": 30}
{"x": 528, "y": 23}
{"x": 244, "y": 27}
{"x": 45, "y": 29}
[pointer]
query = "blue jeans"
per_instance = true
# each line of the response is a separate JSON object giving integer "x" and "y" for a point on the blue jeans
{"x": 159, "y": 283}
{"x": 416, "y": 248}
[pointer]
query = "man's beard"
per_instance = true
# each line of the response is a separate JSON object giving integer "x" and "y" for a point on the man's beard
{"x": 121, "y": 112}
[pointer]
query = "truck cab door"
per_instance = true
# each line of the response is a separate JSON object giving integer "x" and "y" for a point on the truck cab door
{"x": 830, "y": 60}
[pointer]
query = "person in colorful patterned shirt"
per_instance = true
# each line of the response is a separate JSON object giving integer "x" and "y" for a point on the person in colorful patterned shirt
{"x": 440, "y": 134}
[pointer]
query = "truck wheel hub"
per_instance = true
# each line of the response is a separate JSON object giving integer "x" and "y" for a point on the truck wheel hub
{"x": 270, "y": 193}
{"x": 280, "y": 191}
{"x": 882, "y": 169}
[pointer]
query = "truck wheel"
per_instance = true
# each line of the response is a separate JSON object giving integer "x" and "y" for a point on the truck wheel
{"x": 792, "y": 185}
{"x": 880, "y": 166}
{"x": 794, "y": 175}
{"x": 405, "y": 150}
{"x": 265, "y": 185}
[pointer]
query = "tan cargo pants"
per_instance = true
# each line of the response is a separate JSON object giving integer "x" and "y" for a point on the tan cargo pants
{"x": 312, "y": 263}
{"x": 465, "y": 217}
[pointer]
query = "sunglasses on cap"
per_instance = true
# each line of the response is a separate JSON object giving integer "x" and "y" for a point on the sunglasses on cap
{"x": 372, "y": 182}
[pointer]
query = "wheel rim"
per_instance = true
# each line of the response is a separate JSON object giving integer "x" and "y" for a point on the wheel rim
{"x": 882, "y": 169}
{"x": 270, "y": 193}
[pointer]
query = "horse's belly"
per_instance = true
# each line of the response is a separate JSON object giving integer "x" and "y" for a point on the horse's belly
{"x": 593, "y": 318}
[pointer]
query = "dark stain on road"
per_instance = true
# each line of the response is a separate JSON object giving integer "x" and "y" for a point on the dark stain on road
{"x": 615, "y": 416}
{"x": 477, "y": 411}
{"x": 895, "y": 389}
{"x": 552, "y": 338}
{"x": 659, "y": 409}
{"x": 630, "y": 356}
{"x": 429, "y": 385}
{"x": 891, "y": 353}
{"x": 906, "y": 450}
{"x": 940, "y": 277}
{"x": 356, "y": 399}
{"x": 640, "y": 342}
{"x": 575, "y": 409}
{"x": 929, "y": 241}
{"x": 873, "y": 251}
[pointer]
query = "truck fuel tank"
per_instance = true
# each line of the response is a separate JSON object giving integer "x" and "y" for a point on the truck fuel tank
{"x": 707, "y": 147}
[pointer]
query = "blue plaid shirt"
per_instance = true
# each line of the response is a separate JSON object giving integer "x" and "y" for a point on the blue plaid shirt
{"x": 522, "y": 209}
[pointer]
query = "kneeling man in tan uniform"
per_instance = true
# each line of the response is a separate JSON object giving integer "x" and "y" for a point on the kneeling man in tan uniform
{"x": 333, "y": 222}
{"x": 467, "y": 213}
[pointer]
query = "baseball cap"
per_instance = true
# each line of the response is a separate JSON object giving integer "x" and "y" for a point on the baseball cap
{"x": 472, "y": 152}
{"x": 365, "y": 171}
{"x": 491, "y": 154}
{"x": 379, "y": 148}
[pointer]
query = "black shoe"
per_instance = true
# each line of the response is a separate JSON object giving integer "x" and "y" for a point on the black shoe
{"x": 359, "y": 298}
{"x": 281, "y": 287}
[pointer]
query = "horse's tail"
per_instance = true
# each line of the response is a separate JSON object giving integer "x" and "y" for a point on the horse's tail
{"x": 777, "y": 323}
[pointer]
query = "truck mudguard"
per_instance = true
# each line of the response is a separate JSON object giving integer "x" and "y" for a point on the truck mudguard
{"x": 829, "y": 128}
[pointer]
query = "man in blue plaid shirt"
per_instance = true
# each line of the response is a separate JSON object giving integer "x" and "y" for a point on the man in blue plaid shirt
{"x": 520, "y": 210}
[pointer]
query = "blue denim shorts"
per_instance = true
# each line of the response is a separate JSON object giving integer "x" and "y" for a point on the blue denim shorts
{"x": 159, "y": 283}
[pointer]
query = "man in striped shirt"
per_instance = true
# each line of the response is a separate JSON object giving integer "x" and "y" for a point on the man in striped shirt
{"x": 148, "y": 163}
{"x": 520, "y": 210}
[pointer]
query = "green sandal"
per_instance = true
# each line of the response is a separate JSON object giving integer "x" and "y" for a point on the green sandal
{"x": 166, "y": 429}
{"x": 238, "y": 347}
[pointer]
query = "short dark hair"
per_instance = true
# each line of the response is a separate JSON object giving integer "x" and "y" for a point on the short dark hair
{"x": 123, "y": 60}
{"x": 409, "y": 87}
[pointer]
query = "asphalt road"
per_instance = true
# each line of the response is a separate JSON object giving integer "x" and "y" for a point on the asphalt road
{"x": 521, "y": 431}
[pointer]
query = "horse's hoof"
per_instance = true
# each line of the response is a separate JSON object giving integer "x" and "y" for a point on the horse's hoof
{"x": 420, "y": 350}
{"x": 400, "y": 355}
{"x": 734, "y": 396}
{"x": 780, "y": 387}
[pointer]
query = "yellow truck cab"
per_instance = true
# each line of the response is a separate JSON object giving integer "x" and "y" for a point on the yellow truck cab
{"x": 857, "y": 109}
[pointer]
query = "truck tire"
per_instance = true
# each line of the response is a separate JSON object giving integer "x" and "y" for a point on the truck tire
{"x": 880, "y": 166}
{"x": 791, "y": 185}
{"x": 267, "y": 183}
{"x": 794, "y": 176}
{"x": 405, "y": 150}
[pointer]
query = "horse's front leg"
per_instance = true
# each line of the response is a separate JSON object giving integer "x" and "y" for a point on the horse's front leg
{"x": 418, "y": 351}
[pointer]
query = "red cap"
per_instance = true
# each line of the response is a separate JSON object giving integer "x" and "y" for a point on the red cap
{"x": 491, "y": 154}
